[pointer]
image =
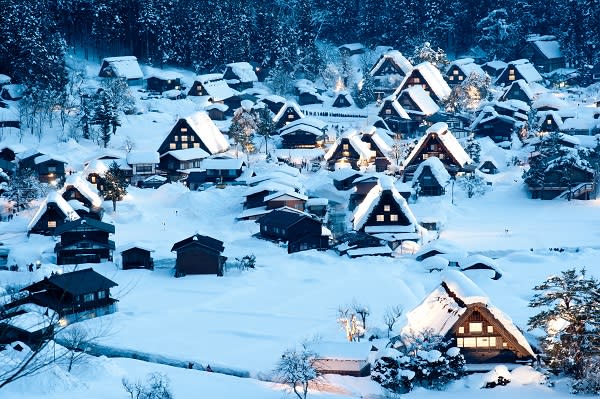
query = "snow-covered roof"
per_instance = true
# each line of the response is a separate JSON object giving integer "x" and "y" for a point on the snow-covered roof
{"x": 63, "y": 205}
{"x": 30, "y": 321}
{"x": 363, "y": 211}
{"x": 550, "y": 100}
{"x": 14, "y": 90}
{"x": 440, "y": 310}
{"x": 496, "y": 64}
{"x": 549, "y": 47}
{"x": 527, "y": 70}
{"x": 43, "y": 158}
{"x": 422, "y": 100}
{"x": 221, "y": 107}
{"x": 395, "y": 105}
{"x": 161, "y": 74}
{"x": 188, "y": 154}
{"x": 4, "y": 79}
{"x": 155, "y": 179}
{"x": 317, "y": 202}
{"x": 125, "y": 67}
{"x": 437, "y": 169}
{"x": 524, "y": 86}
{"x": 449, "y": 249}
{"x": 244, "y": 71}
{"x": 219, "y": 90}
{"x": 222, "y": 164}
{"x": 352, "y": 46}
{"x": 288, "y": 193}
{"x": 343, "y": 173}
{"x": 209, "y": 77}
{"x": 84, "y": 187}
{"x": 434, "y": 79}
{"x": 467, "y": 66}
{"x": 283, "y": 109}
{"x": 309, "y": 124}
{"x": 397, "y": 58}
{"x": 208, "y": 132}
{"x": 448, "y": 140}
{"x": 9, "y": 114}
{"x": 579, "y": 123}
{"x": 145, "y": 157}
{"x": 355, "y": 142}
{"x": 136, "y": 244}
{"x": 268, "y": 185}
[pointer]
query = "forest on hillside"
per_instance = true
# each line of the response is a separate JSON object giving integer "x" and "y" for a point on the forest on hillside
{"x": 281, "y": 34}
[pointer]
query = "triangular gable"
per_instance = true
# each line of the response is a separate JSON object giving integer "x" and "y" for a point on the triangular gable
{"x": 429, "y": 77}
{"x": 416, "y": 100}
{"x": 200, "y": 132}
{"x": 392, "y": 62}
{"x": 288, "y": 113}
{"x": 446, "y": 143}
{"x": 63, "y": 206}
{"x": 391, "y": 108}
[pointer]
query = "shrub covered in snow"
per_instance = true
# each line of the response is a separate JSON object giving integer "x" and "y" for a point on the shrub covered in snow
{"x": 418, "y": 362}
{"x": 498, "y": 376}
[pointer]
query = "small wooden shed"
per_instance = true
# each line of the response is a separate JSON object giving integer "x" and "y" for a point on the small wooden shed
{"x": 136, "y": 256}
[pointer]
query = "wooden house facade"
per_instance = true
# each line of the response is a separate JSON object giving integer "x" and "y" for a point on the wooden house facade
{"x": 395, "y": 116}
{"x": 581, "y": 183}
{"x": 84, "y": 241}
{"x": 461, "y": 69}
{"x": 544, "y": 52}
{"x": 143, "y": 164}
{"x": 174, "y": 162}
{"x": 74, "y": 295}
{"x": 220, "y": 170}
{"x": 388, "y": 72}
{"x": 429, "y": 78}
{"x": 288, "y": 199}
{"x": 49, "y": 169}
{"x": 349, "y": 150}
{"x": 516, "y": 70}
{"x": 458, "y": 310}
{"x": 301, "y": 231}
{"x": 343, "y": 100}
{"x": 161, "y": 81}
{"x": 199, "y": 254}
{"x": 430, "y": 178}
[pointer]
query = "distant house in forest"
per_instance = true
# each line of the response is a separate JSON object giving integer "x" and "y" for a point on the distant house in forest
{"x": 460, "y": 312}
{"x": 199, "y": 254}
{"x": 126, "y": 68}
{"x": 544, "y": 52}
{"x": 158, "y": 80}
{"x": 74, "y": 296}
{"x": 240, "y": 75}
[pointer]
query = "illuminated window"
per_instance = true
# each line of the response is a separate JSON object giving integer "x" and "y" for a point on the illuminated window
{"x": 475, "y": 327}
{"x": 549, "y": 121}
{"x": 511, "y": 77}
{"x": 380, "y": 218}
{"x": 470, "y": 342}
{"x": 483, "y": 342}
{"x": 388, "y": 111}
{"x": 511, "y": 72}
{"x": 504, "y": 344}
{"x": 175, "y": 138}
{"x": 192, "y": 138}
{"x": 492, "y": 341}
{"x": 460, "y": 77}
{"x": 459, "y": 342}
{"x": 184, "y": 145}
{"x": 290, "y": 116}
{"x": 184, "y": 130}
{"x": 461, "y": 330}
{"x": 386, "y": 208}
{"x": 451, "y": 77}
{"x": 455, "y": 72}
{"x": 490, "y": 329}
{"x": 196, "y": 145}
{"x": 51, "y": 224}
{"x": 345, "y": 146}
{"x": 172, "y": 146}
{"x": 93, "y": 179}
{"x": 394, "y": 218}
{"x": 184, "y": 138}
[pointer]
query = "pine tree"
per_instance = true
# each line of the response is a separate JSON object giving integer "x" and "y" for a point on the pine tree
{"x": 24, "y": 187}
{"x": 104, "y": 116}
{"x": 242, "y": 130}
{"x": 571, "y": 318}
{"x": 113, "y": 185}
{"x": 473, "y": 149}
{"x": 264, "y": 126}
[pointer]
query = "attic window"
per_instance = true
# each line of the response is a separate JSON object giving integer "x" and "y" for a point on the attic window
{"x": 460, "y": 78}
{"x": 388, "y": 111}
{"x": 290, "y": 116}
{"x": 196, "y": 145}
{"x": 461, "y": 330}
{"x": 51, "y": 224}
{"x": 393, "y": 218}
{"x": 184, "y": 130}
{"x": 549, "y": 121}
{"x": 490, "y": 329}
{"x": 172, "y": 146}
{"x": 184, "y": 138}
{"x": 386, "y": 208}
{"x": 184, "y": 145}
{"x": 475, "y": 327}
{"x": 451, "y": 77}
{"x": 380, "y": 218}
{"x": 455, "y": 72}
{"x": 345, "y": 147}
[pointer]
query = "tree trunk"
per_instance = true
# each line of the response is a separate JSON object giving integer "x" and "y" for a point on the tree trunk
{"x": 114, "y": 205}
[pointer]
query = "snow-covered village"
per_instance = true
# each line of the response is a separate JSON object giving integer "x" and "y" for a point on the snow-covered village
{"x": 299, "y": 199}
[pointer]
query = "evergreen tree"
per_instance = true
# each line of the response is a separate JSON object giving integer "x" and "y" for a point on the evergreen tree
{"x": 571, "y": 318}
{"x": 242, "y": 130}
{"x": 264, "y": 126}
{"x": 105, "y": 116}
{"x": 473, "y": 149}
{"x": 113, "y": 185}
{"x": 24, "y": 187}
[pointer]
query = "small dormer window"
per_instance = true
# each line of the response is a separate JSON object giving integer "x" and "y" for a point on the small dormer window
{"x": 386, "y": 208}
{"x": 184, "y": 130}
{"x": 455, "y": 72}
{"x": 51, "y": 224}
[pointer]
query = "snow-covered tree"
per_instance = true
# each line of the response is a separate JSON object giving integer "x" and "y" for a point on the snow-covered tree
{"x": 24, "y": 187}
{"x": 474, "y": 184}
{"x": 570, "y": 316}
{"x": 296, "y": 369}
{"x": 265, "y": 127}
{"x": 106, "y": 117}
{"x": 473, "y": 149}
{"x": 113, "y": 185}
{"x": 426, "y": 52}
{"x": 242, "y": 130}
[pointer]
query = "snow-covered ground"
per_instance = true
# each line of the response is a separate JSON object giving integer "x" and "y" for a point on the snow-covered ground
{"x": 246, "y": 319}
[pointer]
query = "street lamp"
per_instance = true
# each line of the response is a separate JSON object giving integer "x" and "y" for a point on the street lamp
{"x": 452, "y": 170}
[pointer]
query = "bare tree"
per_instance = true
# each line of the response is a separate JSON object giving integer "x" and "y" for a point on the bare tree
{"x": 296, "y": 369}
{"x": 363, "y": 312}
{"x": 157, "y": 386}
{"x": 76, "y": 340}
{"x": 390, "y": 317}
{"x": 348, "y": 321}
